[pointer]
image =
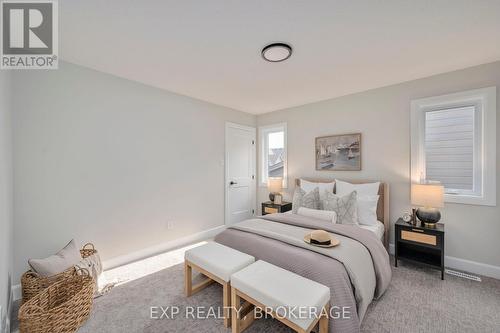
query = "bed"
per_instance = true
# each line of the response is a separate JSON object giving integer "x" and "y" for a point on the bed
{"x": 357, "y": 271}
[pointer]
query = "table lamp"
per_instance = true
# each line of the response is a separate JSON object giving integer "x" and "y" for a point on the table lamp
{"x": 429, "y": 197}
{"x": 274, "y": 186}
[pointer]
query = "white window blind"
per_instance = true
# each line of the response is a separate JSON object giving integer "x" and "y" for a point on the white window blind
{"x": 449, "y": 148}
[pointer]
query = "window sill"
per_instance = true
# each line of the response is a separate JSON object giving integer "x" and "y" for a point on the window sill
{"x": 469, "y": 200}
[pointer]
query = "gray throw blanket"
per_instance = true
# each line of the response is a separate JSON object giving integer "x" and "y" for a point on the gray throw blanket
{"x": 355, "y": 271}
{"x": 380, "y": 257}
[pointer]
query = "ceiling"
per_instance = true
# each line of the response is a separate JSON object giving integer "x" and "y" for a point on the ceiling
{"x": 210, "y": 50}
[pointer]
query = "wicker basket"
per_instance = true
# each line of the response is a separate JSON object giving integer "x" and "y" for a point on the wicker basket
{"x": 32, "y": 283}
{"x": 61, "y": 308}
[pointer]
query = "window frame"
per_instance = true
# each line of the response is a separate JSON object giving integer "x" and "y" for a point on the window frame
{"x": 484, "y": 164}
{"x": 264, "y": 132}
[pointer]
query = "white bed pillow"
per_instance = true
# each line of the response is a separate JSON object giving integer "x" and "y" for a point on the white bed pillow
{"x": 369, "y": 189}
{"x": 309, "y": 186}
{"x": 325, "y": 215}
{"x": 367, "y": 209}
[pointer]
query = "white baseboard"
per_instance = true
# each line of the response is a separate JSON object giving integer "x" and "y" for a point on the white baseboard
{"x": 16, "y": 292}
{"x": 147, "y": 252}
{"x": 467, "y": 265}
{"x": 160, "y": 248}
{"x": 3, "y": 321}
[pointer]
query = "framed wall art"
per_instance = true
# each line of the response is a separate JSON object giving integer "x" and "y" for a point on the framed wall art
{"x": 338, "y": 152}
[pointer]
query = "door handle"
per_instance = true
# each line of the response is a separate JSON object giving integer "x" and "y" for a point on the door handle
{"x": 232, "y": 183}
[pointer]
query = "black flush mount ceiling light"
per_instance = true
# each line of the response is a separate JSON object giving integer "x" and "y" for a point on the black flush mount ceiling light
{"x": 276, "y": 52}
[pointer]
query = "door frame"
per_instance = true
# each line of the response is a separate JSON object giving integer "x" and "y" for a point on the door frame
{"x": 253, "y": 130}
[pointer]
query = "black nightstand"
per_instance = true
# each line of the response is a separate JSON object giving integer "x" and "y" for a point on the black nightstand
{"x": 420, "y": 244}
{"x": 270, "y": 207}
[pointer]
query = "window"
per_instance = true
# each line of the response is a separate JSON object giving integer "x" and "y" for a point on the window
{"x": 273, "y": 153}
{"x": 449, "y": 149}
{"x": 454, "y": 142}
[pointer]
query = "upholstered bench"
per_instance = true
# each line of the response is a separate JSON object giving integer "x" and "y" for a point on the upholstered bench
{"x": 217, "y": 262}
{"x": 297, "y": 302}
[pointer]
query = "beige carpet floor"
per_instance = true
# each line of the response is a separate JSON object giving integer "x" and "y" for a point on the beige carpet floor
{"x": 416, "y": 301}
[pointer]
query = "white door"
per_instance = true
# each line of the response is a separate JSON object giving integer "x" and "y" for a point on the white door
{"x": 240, "y": 173}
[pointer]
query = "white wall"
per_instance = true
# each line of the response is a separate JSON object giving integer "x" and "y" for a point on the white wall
{"x": 383, "y": 117}
{"x": 111, "y": 161}
{"x": 6, "y": 192}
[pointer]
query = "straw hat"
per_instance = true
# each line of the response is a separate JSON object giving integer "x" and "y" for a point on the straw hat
{"x": 321, "y": 238}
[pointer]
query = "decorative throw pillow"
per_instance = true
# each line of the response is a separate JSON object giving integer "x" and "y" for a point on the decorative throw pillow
{"x": 346, "y": 207}
{"x": 309, "y": 186}
{"x": 325, "y": 215}
{"x": 303, "y": 199}
{"x": 57, "y": 263}
{"x": 367, "y": 199}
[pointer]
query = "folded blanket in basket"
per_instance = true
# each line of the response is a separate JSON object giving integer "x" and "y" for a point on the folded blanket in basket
{"x": 93, "y": 265}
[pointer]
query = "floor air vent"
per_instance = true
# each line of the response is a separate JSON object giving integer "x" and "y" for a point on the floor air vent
{"x": 463, "y": 275}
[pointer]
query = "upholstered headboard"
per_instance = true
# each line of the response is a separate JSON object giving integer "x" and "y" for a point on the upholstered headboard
{"x": 382, "y": 207}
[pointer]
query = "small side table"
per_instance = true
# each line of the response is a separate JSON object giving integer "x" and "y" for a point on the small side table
{"x": 421, "y": 244}
{"x": 270, "y": 207}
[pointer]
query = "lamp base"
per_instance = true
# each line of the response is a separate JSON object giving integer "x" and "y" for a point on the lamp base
{"x": 271, "y": 197}
{"x": 429, "y": 216}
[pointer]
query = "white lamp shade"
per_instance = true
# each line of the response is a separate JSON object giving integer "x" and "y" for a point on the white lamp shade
{"x": 427, "y": 195}
{"x": 274, "y": 184}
